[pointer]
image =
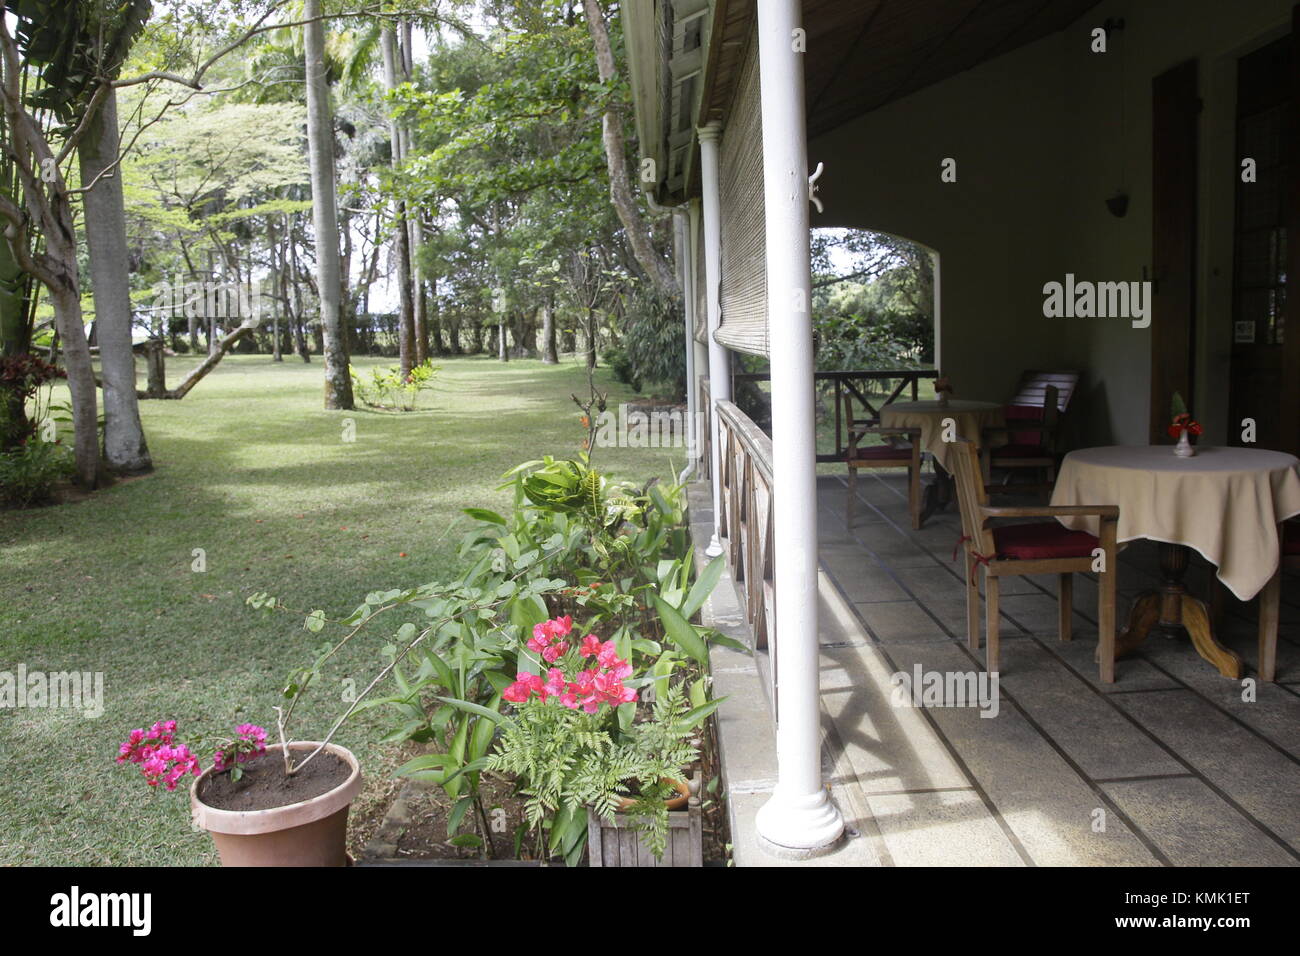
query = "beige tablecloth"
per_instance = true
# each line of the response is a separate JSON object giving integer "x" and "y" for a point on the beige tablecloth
{"x": 1225, "y": 503}
{"x": 969, "y": 417}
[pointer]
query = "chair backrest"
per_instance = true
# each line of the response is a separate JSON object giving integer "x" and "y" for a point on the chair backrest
{"x": 1032, "y": 390}
{"x": 971, "y": 495}
{"x": 1047, "y": 412}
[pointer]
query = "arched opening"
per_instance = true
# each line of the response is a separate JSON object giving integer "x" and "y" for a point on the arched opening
{"x": 874, "y": 300}
{"x": 875, "y": 306}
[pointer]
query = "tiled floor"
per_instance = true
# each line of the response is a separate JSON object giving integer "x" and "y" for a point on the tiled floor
{"x": 1171, "y": 764}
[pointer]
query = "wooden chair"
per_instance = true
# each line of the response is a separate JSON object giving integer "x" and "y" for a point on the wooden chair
{"x": 901, "y": 449}
{"x": 1030, "y": 436}
{"x": 1044, "y": 547}
{"x": 1270, "y": 600}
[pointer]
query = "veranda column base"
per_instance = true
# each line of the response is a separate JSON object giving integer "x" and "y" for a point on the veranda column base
{"x": 800, "y": 826}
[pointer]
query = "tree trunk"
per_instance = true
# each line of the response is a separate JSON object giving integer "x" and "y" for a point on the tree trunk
{"x": 591, "y": 338}
{"x": 620, "y": 187}
{"x": 401, "y": 236}
{"x": 295, "y": 295}
{"x": 81, "y": 376}
{"x": 320, "y": 148}
{"x": 549, "y": 354}
{"x": 211, "y": 362}
{"x": 15, "y": 340}
{"x": 503, "y": 351}
{"x": 125, "y": 447}
{"x": 157, "y": 371}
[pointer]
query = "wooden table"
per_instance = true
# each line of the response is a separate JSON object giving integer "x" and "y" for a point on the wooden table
{"x": 939, "y": 424}
{"x": 1224, "y": 503}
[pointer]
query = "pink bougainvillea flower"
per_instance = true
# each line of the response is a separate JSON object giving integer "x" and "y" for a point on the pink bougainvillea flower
{"x": 555, "y": 685}
{"x": 555, "y": 651}
{"x": 590, "y": 646}
{"x": 516, "y": 693}
{"x": 607, "y": 655}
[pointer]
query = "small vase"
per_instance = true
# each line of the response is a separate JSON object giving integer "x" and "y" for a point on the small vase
{"x": 1184, "y": 448}
{"x": 943, "y": 399}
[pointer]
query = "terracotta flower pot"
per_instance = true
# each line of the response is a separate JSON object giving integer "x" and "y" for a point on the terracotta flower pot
{"x": 674, "y": 803}
{"x": 308, "y": 833}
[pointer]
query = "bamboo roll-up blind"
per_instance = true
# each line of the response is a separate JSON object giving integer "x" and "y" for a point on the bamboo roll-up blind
{"x": 744, "y": 247}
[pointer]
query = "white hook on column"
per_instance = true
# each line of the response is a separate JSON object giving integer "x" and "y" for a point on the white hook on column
{"x": 812, "y": 187}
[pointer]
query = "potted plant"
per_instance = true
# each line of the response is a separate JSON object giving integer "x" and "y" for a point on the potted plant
{"x": 943, "y": 390}
{"x": 262, "y": 806}
{"x": 1182, "y": 426}
{"x": 581, "y": 738}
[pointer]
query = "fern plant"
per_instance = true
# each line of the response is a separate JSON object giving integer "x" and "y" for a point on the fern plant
{"x": 567, "y": 760}
{"x": 579, "y": 739}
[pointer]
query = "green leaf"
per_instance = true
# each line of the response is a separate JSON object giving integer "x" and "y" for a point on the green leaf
{"x": 482, "y": 711}
{"x": 703, "y": 586}
{"x": 697, "y": 715}
{"x": 680, "y": 631}
{"x": 424, "y": 762}
{"x": 483, "y": 514}
{"x": 697, "y": 694}
{"x": 484, "y": 730}
{"x": 458, "y": 814}
{"x": 560, "y": 825}
{"x": 721, "y": 640}
{"x": 466, "y": 839}
{"x": 526, "y": 611}
{"x": 315, "y": 621}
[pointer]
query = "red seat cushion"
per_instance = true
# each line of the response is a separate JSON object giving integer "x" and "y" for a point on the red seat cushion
{"x": 1024, "y": 415}
{"x": 1043, "y": 539}
{"x": 1017, "y": 450}
{"x": 1291, "y": 538}
{"x": 884, "y": 453}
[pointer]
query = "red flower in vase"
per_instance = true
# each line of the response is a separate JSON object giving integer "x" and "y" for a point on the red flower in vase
{"x": 1183, "y": 422}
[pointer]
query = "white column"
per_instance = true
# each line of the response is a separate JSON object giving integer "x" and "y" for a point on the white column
{"x": 695, "y": 243}
{"x": 685, "y": 280}
{"x": 719, "y": 363}
{"x": 799, "y": 818}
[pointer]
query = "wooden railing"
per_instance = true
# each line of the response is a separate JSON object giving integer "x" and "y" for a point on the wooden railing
{"x": 857, "y": 382}
{"x": 746, "y": 518}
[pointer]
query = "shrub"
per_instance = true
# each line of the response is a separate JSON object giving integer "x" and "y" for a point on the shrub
{"x": 386, "y": 388}
{"x": 29, "y": 472}
{"x": 652, "y": 342}
{"x": 620, "y": 364}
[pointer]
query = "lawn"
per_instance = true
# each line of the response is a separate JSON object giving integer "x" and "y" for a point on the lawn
{"x": 252, "y": 471}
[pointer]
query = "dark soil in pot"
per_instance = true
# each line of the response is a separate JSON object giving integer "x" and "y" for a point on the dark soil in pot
{"x": 264, "y": 785}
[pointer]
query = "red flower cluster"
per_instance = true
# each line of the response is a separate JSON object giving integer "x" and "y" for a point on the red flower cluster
{"x": 546, "y": 638}
{"x": 1184, "y": 421}
{"x": 601, "y": 683}
{"x": 161, "y": 760}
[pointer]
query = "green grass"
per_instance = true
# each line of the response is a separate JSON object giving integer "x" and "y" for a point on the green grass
{"x": 254, "y": 472}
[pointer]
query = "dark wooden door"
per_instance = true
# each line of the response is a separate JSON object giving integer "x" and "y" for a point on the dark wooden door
{"x": 1265, "y": 326}
{"x": 1175, "y": 108}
